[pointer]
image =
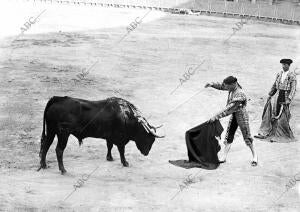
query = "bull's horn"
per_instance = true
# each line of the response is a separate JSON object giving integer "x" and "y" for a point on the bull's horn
{"x": 153, "y": 127}
{"x": 151, "y": 131}
{"x": 145, "y": 127}
{"x": 157, "y": 136}
{"x": 159, "y": 126}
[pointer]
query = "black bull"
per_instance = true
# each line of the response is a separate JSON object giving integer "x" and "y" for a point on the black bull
{"x": 114, "y": 119}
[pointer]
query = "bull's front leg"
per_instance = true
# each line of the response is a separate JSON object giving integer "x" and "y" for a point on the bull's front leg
{"x": 121, "y": 149}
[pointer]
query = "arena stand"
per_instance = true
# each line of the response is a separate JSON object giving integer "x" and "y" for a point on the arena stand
{"x": 287, "y": 12}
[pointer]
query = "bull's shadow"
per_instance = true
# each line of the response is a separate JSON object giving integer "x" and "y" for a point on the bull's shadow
{"x": 114, "y": 119}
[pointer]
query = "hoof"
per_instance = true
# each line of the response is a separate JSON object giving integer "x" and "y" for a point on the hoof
{"x": 109, "y": 158}
{"x": 63, "y": 172}
{"x": 44, "y": 166}
{"x": 253, "y": 163}
{"x": 125, "y": 164}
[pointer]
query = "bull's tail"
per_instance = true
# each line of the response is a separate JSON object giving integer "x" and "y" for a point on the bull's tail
{"x": 44, "y": 132}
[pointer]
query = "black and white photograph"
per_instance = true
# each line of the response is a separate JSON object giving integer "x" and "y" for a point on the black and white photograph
{"x": 150, "y": 105}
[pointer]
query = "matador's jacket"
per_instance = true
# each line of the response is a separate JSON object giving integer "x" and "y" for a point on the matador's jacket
{"x": 236, "y": 107}
{"x": 289, "y": 85}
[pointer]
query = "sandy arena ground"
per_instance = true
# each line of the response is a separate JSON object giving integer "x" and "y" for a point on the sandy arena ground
{"x": 144, "y": 68}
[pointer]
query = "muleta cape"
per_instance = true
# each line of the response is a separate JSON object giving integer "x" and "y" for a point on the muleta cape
{"x": 202, "y": 145}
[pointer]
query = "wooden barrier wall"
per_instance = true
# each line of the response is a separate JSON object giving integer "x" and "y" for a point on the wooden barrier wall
{"x": 286, "y": 14}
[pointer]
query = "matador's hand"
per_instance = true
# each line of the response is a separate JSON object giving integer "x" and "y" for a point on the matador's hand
{"x": 288, "y": 101}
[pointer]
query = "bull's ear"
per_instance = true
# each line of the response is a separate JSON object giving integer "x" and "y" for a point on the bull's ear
{"x": 160, "y": 136}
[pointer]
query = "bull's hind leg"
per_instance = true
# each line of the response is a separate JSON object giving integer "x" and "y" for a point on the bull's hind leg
{"x": 45, "y": 145}
{"x": 109, "y": 147}
{"x": 60, "y": 147}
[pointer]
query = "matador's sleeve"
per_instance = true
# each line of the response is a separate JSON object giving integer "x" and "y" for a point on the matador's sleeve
{"x": 273, "y": 89}
{"x": 217, "y": 85}
{"x": 235, "y": 104}
{"x": 293, "y": 87}
{"x": 239, "y": 97}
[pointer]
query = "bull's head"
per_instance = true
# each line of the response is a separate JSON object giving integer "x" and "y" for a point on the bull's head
{"x": 145, "y": 136}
